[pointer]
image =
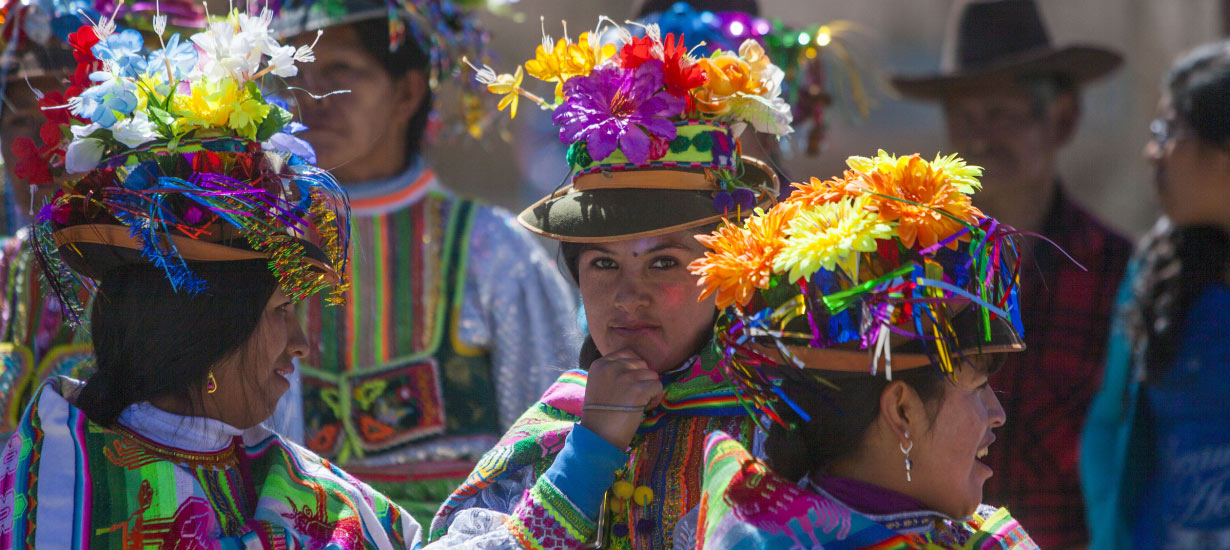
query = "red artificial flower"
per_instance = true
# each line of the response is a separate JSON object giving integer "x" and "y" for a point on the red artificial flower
{"x": 682, "y": 75}
{"x": 53, "y": 107}
{"x": 83, "y": 42}
{"x": 636, "y": 52}
{"x": 51, "y": 134}
{"x": 31, "y": 166}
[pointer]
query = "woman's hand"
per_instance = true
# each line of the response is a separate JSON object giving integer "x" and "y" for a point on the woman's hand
{"x": 619, "y": 379}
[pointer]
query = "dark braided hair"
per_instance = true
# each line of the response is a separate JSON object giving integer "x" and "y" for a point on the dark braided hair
{"x": 1177, "y": 264}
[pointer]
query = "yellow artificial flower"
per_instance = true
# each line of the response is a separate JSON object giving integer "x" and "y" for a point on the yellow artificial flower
{"x": 828, "y": 236}
{"x": 964, "y": 176}
{"x": 208, "y": 105}
{"x": 741, "y": 257}
{"x": 509, "y": 86}
{"x": 565, "y": 60}
{"x": 586, "y": 54}
{"x": 248, "y": 115}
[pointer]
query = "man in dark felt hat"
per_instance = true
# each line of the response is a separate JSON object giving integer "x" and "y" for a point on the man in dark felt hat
{"x": 1011, "y": 101}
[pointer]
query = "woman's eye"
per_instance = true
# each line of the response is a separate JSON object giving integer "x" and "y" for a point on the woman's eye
{"x": 664, "y": 262}
{"x": 603, "y": 263}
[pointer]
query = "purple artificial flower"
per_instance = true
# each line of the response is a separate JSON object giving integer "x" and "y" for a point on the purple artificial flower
{"x": 618, "y": 107}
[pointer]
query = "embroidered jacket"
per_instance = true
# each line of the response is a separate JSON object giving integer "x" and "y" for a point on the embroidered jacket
{"x": 746, "y": 506}
{"x": 543, "y": 485}
{"x": 166, "y": 481}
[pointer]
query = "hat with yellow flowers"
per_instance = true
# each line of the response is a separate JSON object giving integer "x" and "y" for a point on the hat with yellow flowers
{"x": 176, "y": 157}
{"x": 890, "y": 266}
{"x": 652, "y": 132}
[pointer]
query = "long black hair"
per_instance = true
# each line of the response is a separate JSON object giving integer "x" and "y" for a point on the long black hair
{"x": 841, "y": 416}
{"x": 374, "y": 37}
{"x": 151, "y": 341}
{"x": 1178, "y": 263}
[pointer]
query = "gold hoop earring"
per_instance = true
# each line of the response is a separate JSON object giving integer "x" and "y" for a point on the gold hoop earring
{"x": 211, "y": 385}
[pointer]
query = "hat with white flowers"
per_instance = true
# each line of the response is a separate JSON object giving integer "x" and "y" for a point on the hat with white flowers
{"x": 177, "y": 157}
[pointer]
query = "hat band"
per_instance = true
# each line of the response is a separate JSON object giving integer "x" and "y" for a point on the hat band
{"x": 648, "y": 179}
{"x": 697, "y": 144}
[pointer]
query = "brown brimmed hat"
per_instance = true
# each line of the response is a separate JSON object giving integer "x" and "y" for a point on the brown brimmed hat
{"x": 996, "y": 39}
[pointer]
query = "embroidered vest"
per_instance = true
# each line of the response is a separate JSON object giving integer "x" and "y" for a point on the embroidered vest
{"x": 387, "y": 375}
{"x": 35, "y": 341}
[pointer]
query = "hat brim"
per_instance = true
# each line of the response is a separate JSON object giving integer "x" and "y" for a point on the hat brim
{"x": 94, "y": 249}
{"x": 1080, "y": 63}
{"x": 967, "y": 325}
{"x": 607, "y": 215}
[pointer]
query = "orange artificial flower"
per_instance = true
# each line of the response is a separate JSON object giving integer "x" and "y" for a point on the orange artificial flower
{"x": 818, "y": 192}
{"x": 937, "y": 195}
{"x": 727, "y": 76}
{"x": 742, "y": 256}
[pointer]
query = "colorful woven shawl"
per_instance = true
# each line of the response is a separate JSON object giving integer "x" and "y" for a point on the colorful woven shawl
{"x": 69, "y": 483}
{"x": 746, "y": 506}
{"x": 535, "y": 439}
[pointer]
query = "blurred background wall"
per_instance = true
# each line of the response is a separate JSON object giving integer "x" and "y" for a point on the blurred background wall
{"x": 1103, "y": 167}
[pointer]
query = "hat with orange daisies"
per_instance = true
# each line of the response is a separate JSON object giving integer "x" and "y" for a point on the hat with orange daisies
{"x": 891, "y": 257}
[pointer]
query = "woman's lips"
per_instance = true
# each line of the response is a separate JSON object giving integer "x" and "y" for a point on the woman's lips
{"x": 634, "y": 328}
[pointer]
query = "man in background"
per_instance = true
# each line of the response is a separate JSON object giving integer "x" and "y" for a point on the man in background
{"x": 1011, "y": 102}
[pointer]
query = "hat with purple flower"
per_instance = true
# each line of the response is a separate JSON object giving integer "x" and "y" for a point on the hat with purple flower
{"x": 653, "y": 132}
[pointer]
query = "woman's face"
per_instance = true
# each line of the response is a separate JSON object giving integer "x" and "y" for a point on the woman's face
{"x": 357, "y": 135}
{"x": 250, "y": 382}
{"x": 639, "y": 295}
{"x": 1190, "y": 176}
{"x": 947, "y": 475}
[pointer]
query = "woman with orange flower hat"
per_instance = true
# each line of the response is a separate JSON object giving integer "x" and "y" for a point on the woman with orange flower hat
{"x": 889, "y": 268}
{"x": 611, "y": 453}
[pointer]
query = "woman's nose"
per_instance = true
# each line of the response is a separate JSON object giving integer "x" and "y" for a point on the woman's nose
{"x": 995, "y": 411}
{"x": 296, "y": 340}
{"x": 631, "y": 293}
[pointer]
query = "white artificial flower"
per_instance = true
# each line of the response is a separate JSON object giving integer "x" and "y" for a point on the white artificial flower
{"x": 135, "y": 130}
{"x": 769, "y": 116}
{"x": 255, "y": 29}
{"x": 82, "y": 130}
{"x": 282, "y": 62}
{"x": 83, "y": 155}
{"x": 227, "y": 53}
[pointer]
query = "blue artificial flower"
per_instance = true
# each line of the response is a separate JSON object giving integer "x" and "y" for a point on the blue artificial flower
{"x": 104, "y": 102}
{"x": 182, "y": 57}
{"x": 123, "y": 49}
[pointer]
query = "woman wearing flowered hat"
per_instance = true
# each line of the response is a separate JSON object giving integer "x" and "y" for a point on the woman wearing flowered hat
{"x": 41, "y": 53}
{"x": 611, "y": 453}
{"x": 456, "y": 319}
{"x": 194, "y": 233}
{"x": 865, "y": 314}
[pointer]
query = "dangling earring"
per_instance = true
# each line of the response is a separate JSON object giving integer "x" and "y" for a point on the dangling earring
{"x": 211, "y": 385}
{"x": 906, "y": 451}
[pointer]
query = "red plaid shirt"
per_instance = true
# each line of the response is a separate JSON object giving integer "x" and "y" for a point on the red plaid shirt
{"x": 1046, "y": 390}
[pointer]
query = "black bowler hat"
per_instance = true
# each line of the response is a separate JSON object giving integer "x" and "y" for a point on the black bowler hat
{"x": 1004, "y": 38}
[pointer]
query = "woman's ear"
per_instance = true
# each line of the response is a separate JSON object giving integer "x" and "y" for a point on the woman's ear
{"x": 902, "y": 410}
{"x": 410, "y": 91}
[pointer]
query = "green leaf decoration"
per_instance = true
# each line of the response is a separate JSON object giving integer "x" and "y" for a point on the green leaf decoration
{"x": 277, "y": 119}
